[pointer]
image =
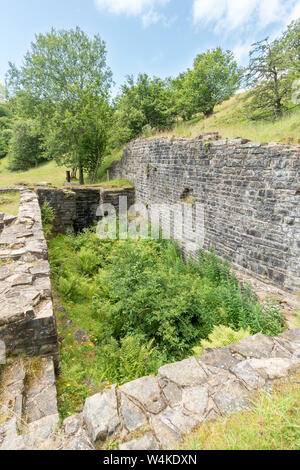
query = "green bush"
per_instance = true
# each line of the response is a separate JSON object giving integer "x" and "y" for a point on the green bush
{"x": 144, "y": 306}
{"x": 221, "y": 336}
{"x": 87, "y": 262}
{"x": 25, "y": 146}
{"x": 48, "y": 216}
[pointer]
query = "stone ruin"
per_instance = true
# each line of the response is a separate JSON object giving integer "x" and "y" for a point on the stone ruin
{"x": 151, "y": 412}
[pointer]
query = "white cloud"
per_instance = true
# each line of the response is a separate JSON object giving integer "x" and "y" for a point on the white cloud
{"x": 151, "y": 17}
{"x": 130, "y": 7}
{"x": 228, "y": 15}
{"x": 241, "y": 50}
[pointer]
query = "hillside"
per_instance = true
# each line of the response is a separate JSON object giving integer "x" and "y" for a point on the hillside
{"x": 47, "y": 172}
{"x": 230, "y": 120}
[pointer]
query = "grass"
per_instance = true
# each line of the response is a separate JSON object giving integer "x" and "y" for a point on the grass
{"x": 79, "y": 376}
{"x": 230, "y": 120}
{"x": 273, "y": 423}
{"x": 54, "y": 174}
{"x": 9, "y": 202}
{"x": 116, "y": 183}
{"x": 50, "y": 172}
{"x": 108, "y": 160}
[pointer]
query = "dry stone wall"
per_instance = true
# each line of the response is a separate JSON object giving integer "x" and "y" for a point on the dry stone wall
{"x": 162, "y": 409}
{"x": 76, "y": 208}
{"x": 250, "y": 193}
{"x": 27, "y": 321}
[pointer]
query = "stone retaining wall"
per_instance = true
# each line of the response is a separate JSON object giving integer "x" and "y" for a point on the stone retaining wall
{"x": 27, "y": 321}
{"x": 250, "y": 193}
{"x": 76, "y": 208}
{"x": 153, "y": 413}
{"x": 164, "y": 408}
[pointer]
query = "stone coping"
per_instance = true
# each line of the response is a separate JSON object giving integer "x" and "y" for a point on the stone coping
{"x": 26, "y": 311}
{"x": 164, "y": 408}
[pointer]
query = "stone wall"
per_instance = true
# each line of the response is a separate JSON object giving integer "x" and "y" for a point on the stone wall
{"x": 162, "y": 409}
{"x": 27, "y": 321}
{"x": 250, "y": 193}
{"x": 76, "y": 208}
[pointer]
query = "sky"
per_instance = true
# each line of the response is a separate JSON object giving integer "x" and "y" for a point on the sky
{"x": 158, "y": 37}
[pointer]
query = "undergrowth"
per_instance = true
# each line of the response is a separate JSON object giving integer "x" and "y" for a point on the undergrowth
{"x": 141, "y": 306}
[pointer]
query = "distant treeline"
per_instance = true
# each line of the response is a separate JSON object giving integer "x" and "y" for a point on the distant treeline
{"x": 58, "y": 104}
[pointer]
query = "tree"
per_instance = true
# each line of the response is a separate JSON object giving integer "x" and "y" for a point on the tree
{"x": 290, "y": 43}
{"x": 268, "y": 75}
{"x": 25, "y": 149}
{"x": 79, "y": 139}
{"x": 144, "y": 102}
{"x": 184, "y": 103}
{"x": 214, "y": 78}
{"x": 5, "y": 128}
{"x": 65, "y": 73}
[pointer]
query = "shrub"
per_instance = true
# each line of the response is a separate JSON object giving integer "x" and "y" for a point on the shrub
{"x": 48, "y": 216}
{"x": 221, "y": 336}
{"x": 145, "y": 306}
{"x": 87, "y": 261}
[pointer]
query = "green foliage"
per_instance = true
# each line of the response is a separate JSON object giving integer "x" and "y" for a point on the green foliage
{"x": 214, "y": 78}
{"x": 271, "y": 72}
{"x": 48, "y": 216}
{"x": 25, "y": 150}
{"x": 221, "y": 336}
{"x": 142, "y": 105}
{"x": 64, "y": 84}
{"x": 145, "y": 306}
{"x": 129, "y": 359}
{"x": 5, "y": 128}
{"x": 87, "y": 262}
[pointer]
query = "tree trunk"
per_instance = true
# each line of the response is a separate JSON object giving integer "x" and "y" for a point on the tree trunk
{"x": 209, "y": 113}
{"x": 81, "y": 178}
{"x": 74, "y": 173}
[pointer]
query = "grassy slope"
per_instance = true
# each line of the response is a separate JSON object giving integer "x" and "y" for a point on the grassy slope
{"x": 52, "y": 173}
{"x": 46, "y": 172}
{"x": 272, "y": 424}
{"x": 230, "y": 120}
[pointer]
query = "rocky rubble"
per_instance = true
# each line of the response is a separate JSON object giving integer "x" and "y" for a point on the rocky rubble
{"x": 28, "y": 406}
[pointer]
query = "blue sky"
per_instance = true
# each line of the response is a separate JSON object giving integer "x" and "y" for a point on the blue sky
{"x": 159, "y": 37}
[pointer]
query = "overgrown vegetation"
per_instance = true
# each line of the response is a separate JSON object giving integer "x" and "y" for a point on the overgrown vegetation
{"x": 48, "y": 216}
{"x": 221, "y": 336}
{"x": 272, "y": 424}
{"x": 141, "y": 306}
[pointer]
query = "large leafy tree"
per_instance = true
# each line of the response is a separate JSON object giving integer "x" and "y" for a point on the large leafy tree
{"x": 273, "y": 66}
{"x": 215, "y": 77}
{"x": 63, "y": 80}
{"x": 144, "y": 102}
{"x": 290, "y": 43}
{"x": 5, "y": 128}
